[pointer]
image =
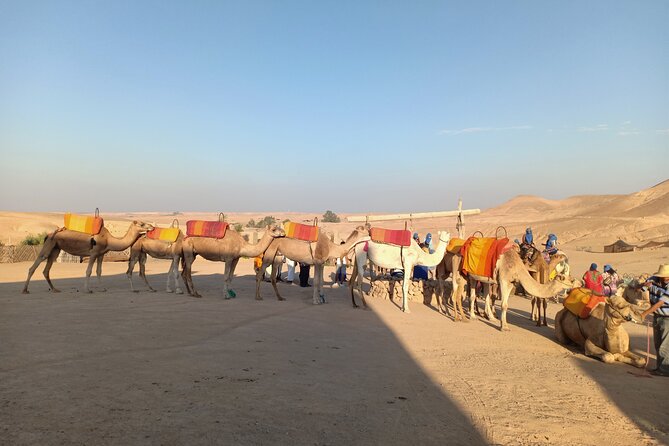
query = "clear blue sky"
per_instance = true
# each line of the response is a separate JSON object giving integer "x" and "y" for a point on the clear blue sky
{"x": 311, "y": 105}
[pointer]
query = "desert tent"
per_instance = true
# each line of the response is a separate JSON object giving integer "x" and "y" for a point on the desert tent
{"x": 619, "y": 246}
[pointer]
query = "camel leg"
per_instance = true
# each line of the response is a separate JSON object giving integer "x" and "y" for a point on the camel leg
{"x": 98, "y": 272}
{"x": 186, "y": 273}
{"x": 630, "y": 358}
{"x": 321, "y": 294}
{"x": 592, "y": 350}
{"x": 559, "y": 331}
{"x": 134, "y": 256}
{"x": 142, "y": 271}
{"x": 89, "y": 270}
{"x": 275, "y": 268}
{"x": 49, "y": 246}
{"x": 473, "y": 308}
{"x": 489, "y": 308}
{"x": 49, "y": 262}
{"x": 175, "y": 275}
{"x": 457, "y": 296}
{"x": 316, "y": 294}
{"x": 408, "y": 267}
{"x": 544, "y": 303}
{"x": 259, "y": 275}
{"x": 505, "y": 292}
{"x": 230, "y": 275}
{"x": 353, "y": 281}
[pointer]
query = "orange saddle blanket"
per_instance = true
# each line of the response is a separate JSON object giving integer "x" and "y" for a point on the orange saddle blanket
{"x": 202, "y": 228}
{"x": 455, "y": 245}
{"x": 164, "y": 234}
{"x": 581, "y": 302}
{"x": 399, "y": 237}
{"x": 83, "y": 223}
{"x": 480, "y": 254}
{"x": 299, "y": 231}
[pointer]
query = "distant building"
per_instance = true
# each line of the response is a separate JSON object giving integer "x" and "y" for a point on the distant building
{"x": 619, "y": 246}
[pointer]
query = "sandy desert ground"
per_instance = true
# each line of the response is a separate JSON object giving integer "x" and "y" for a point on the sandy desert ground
{"x": 118, "y": 367}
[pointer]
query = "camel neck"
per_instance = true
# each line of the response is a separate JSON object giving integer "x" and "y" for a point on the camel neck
{"x": 250, "y": 250}
{"x": 435, "y": 258}
{"x": 123, "y": 243}
{"x": 337, "y": 251}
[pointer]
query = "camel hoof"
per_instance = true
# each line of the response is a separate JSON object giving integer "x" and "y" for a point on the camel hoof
{"x": 505, "y": 328}
{"x": 355, "y": 306}
{"x": 258, "y": 298}
{"x": 196, "y": 295}
{"x": 406, "y": 310}
{"x": 150, "y": 289}
{"x": 25, "y": 292}
{"x": 135, "y": 291}
{"x": 179, "y": 291}
{"x": 280, "y": 298}
{"x": 55, "y": 290}
{"x": 169, "y": 291}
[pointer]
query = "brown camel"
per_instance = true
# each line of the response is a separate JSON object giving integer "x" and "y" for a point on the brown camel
{"x": 450, "y": 266}
{"x": 84, "y": 245}
{"x": 316, "y": 253}
{"x": 509, "y": 269}
{"x": 541, "y": 271}
{"x": 228, "y": 249}
{"x": 158, "y": 249}
{"x": 602, "y": 334}
{"x": 633, "y": 292}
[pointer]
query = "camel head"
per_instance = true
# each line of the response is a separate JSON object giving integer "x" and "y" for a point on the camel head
{"x": 142, "y": 227}
{"x": 618, "y": 308}
{"x": 359, "y": 234}
{"x": 275, "y": 231}
{"x": 444, "y": 236}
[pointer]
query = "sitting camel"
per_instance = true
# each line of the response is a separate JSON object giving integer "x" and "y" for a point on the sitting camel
{"x": 602, "y": 334}
{"x": 633, "y": 292}
{"x": 392, "y": 256}
{"x": 509, "y": 269}
{"x": 228, "y": 249}
{"x": 158, "y": 249}
{"x": 84, "y": 245}
{"x": 541, "y": 271}
{"x": 316, "y": 253}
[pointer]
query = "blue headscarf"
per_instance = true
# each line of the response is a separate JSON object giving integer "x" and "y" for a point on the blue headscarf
{"x": 428, "y": 238}
{"x": 528, "y": 237}
{"x": 415, "y": 236}
{"x": 593, "y": 267}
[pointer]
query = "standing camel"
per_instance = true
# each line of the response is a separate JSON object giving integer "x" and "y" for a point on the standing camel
{"x": 228, "y": 249}
{"x": 84, "y": 245}
{"x": 392, "y": 256}
{"x": 509, "y": 269}
{"x": 158, "y": 249}
{"x": 541, "y": 271}
{"x": 450, "y": 265}
{"x": 312, "y": 253}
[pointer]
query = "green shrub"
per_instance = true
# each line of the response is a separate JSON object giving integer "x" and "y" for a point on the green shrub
{"x": 330, "y": 217}
{"x": 238, "y": 227}
{"x": 34, "y": 239}
{"x": 267, "y": 220}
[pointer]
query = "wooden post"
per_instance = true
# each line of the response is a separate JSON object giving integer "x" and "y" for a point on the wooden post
{"x": 460, "y": 225}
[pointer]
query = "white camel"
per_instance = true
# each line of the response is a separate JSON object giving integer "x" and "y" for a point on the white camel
{"x": 392, "y": 256}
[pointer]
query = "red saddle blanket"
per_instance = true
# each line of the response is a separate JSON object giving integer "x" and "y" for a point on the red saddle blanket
{"x": 480, "y": 254}
{"x": 299, "y": 231}
{"x": 202, "y": 228}
{"x": 399, "y": 237}
{"x": 581, "y": 302}
{"x": 83, "y": 223}
{"x": 164, "y": 234}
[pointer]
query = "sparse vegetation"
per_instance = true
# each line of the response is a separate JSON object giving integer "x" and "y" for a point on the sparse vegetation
{"x": 238, "y": 227}
{"x": 331, "y": 217}
{"x": 34, "y": 239}
{"x": 267, "y": 220}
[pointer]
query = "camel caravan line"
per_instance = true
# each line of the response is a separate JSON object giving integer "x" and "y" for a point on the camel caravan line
{"x": 492, "y": 262}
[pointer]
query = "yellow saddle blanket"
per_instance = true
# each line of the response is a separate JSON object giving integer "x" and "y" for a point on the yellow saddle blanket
{"x": 84, "y": 223}
{"x": 164, "y": 234}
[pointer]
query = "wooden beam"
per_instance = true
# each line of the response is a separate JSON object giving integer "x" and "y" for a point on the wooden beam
{"x": 363, "y": 218}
